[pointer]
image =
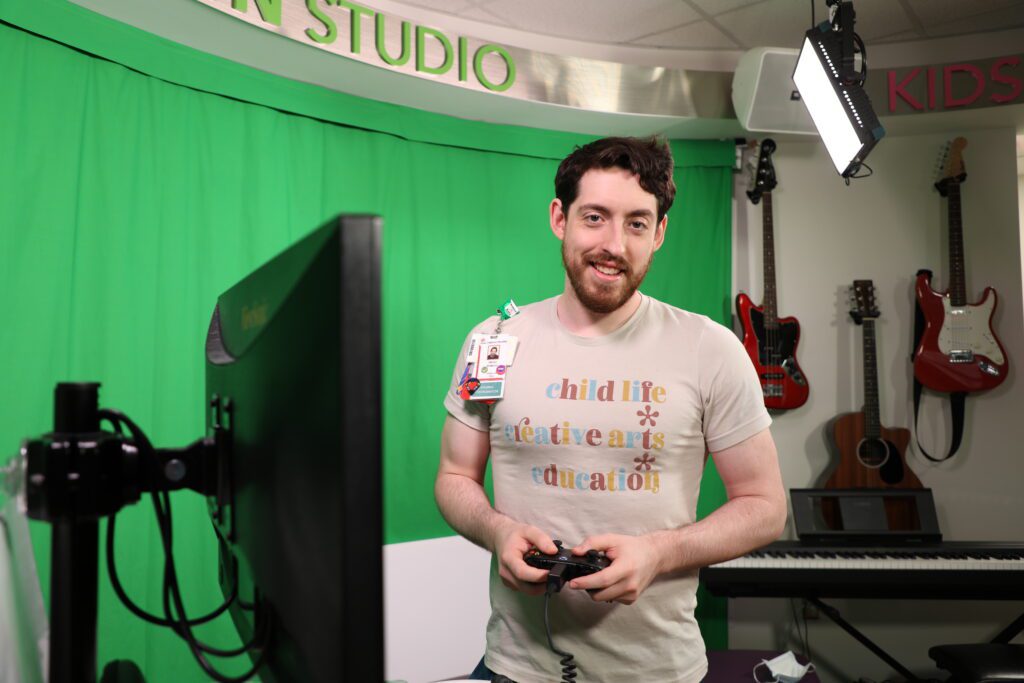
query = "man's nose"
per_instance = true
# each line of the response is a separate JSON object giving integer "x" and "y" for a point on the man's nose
{"x": 614, "y": 241}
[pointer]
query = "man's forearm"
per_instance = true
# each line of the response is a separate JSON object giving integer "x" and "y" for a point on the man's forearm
{"x": 464, "y": 505}
{"x": 741, "y": 525}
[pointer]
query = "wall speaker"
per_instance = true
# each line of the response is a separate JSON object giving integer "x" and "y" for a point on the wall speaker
{"x": 764, "y": 96}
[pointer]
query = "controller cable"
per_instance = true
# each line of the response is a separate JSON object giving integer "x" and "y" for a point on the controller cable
{"x": 555, "y": 582}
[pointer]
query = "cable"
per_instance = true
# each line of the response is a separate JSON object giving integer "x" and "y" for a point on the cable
{"x": 171, "y": 587}
{"x": 568, "y": 668}
{"x": 863, "y": 59}
{"x": 115, "y": 419}
{"x": 857, "y": 175}
{"x": 115, "y": 581}
{"x": 172, "y": 591}
{"x": 177, "y": 618}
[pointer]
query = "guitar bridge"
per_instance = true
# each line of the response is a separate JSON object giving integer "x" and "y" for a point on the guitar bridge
{"x": 773, "y": 390}
{"x": 961, "y": 356}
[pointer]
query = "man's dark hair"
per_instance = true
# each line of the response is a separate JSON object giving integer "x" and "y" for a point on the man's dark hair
{"x": 648, "y": 158}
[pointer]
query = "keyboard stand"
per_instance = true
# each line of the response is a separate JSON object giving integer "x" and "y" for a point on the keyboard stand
{"x": 833, "y": 614}
{"x": 1011, "y": 631}
{"x": 1004, "y": 636}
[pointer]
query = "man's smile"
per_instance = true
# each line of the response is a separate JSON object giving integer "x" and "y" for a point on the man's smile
{"x": 607, "y": 272}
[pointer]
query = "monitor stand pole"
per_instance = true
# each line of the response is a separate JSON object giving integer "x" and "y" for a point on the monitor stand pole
{"x": 73, "y": 588}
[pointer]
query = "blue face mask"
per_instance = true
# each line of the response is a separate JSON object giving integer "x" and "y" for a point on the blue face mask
{"x": 784, "y": 668}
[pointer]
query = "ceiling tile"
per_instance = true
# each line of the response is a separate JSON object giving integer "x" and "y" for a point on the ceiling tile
{"x": 604, "y": 21}
{"x": 880, "y": 18}
{"x": 775, "y": 23}
{"x": 700, "y": 35}
{"x": 716, "y": 7}
{"x": 897, "y": 37}
{"x": 481, "y": 14}
{"x": 782, "y": 23}
{"x": 1003, "y": 19}
{"x": 447, "y": 6}
{"x": 936, "y": 12}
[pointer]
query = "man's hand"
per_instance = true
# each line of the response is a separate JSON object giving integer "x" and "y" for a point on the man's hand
{"x": 635, "y": 562}
{"x": 511, "y": 541}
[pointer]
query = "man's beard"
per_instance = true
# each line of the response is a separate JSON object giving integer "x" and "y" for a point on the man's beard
{"x": 603, "y": 297}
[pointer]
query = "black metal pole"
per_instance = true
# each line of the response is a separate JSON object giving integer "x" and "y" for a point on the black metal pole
{"x": 75, "y": 555}
{"x": 73, "y": 588}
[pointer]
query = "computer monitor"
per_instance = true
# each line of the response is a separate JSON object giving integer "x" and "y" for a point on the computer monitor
{"x": 293, "y": 372}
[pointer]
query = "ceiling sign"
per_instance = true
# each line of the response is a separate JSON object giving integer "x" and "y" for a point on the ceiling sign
{"x": 945, "y": 87}
{"x": 357, "y": 32}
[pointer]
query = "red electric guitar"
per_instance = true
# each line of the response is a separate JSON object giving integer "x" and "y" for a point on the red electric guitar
{"x": 771, "y": 341}
{"x": 958, "y": 352}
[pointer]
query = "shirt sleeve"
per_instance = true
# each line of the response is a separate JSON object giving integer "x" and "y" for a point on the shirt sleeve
{"x": 475, "y": 414}
{"x": 733, "y": 398}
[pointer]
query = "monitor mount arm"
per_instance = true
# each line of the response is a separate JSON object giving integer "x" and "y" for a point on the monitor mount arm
{"x": 77, "y": 474}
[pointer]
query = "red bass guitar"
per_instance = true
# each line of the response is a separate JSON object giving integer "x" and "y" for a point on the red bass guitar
{"x": 771, "y": 341}
{"x": 958, "y": 351}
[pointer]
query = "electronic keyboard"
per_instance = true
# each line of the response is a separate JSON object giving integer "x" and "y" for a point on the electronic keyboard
{"x": 959, "y": 570}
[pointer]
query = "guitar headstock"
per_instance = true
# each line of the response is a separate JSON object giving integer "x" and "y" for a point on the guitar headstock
{"x": 764, "y": 177}
{"x": 862, "y": 301}
{"x": 951, "y": 166}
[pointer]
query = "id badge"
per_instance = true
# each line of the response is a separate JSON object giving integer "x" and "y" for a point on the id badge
{"x": 487, "y": 360}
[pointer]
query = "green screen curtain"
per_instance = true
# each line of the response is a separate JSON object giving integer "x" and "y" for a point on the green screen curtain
{"x": 131, "y": 195}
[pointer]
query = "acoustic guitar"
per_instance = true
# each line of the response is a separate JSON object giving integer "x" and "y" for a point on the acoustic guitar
{"x": 870, "y": 455}
{"x": 771, "y": 341}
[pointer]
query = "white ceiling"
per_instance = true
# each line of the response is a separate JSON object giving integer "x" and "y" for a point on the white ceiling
{"x": 726, "y": 24}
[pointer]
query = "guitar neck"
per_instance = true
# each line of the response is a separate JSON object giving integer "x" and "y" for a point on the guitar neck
{"x": 872, "y": 422}
{"x": 957, "y": 278}
{"x": 771, "y": 316}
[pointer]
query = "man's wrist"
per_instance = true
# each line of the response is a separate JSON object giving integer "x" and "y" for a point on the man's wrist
{"x": 668, "y": 550}
{"x": 497, "y": 526}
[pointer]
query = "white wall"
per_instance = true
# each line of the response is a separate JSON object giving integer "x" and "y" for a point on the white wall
{"x": 1020, "y": 198}
{"x": 885, "y": 228}
{"x": 436, "y": 607}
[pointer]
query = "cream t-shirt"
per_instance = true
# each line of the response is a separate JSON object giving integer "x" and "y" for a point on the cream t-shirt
{"x": 608, "y": 435}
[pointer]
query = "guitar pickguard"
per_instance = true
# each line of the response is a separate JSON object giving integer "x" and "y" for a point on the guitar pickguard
{"x": 777, "y": 348}
{"x": 965, "y": 332}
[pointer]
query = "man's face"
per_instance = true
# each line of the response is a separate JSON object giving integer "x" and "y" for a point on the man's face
{"x": 609, "y": 237}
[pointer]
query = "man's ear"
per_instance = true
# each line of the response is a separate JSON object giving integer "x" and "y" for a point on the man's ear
{"x": 558, "y": 218}
{"x": 659, "y": 233}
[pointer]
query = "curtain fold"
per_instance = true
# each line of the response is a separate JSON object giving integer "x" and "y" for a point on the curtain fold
{"x": 128, "y": 203}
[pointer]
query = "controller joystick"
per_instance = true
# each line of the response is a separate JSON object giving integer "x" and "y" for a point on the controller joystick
{"x": 563, "y": 566}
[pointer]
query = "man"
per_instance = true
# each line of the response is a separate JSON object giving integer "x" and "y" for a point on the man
{"x": 611, "y": 404}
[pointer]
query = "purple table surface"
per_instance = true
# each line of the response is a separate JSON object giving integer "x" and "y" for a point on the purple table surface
{"x": 730, "y": 666}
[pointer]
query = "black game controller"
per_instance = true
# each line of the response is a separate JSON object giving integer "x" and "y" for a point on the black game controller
{"x": 564, "y": 566}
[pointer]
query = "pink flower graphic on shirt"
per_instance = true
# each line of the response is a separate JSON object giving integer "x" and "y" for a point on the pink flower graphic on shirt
{"x": 646, "y": 414}
{"x": 645, "y": 462}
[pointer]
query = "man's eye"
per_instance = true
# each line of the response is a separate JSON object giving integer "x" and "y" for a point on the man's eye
{"x": 638, "y": 225}
{"x": 592, "y": 218}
